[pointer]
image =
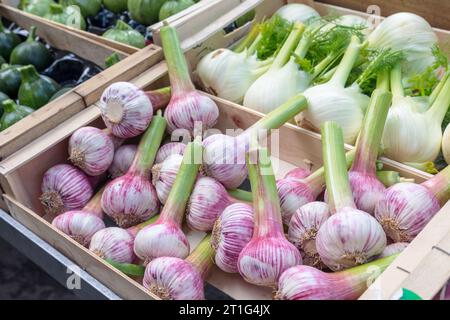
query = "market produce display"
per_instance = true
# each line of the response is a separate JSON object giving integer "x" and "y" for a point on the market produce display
{"x": 152, "y": 170}
{"x": 124, "y": 21}
{"x": 32, "y": 73}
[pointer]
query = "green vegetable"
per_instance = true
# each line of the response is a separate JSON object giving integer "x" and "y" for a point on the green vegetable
{"x": 3, "y": 97}
{"x": 56, "y": 13}
{"x": 31, "y": 52}
{"x": 172, "y": 7}
{"x": 74, "y": 17}
{"x": 145, "y": 11}
{"x": 129, "y": 269}
{"x": 13, "y": 113}
{"x": 10, "y": 80}
{"x": 112, "y": 60}
{"x": 116, "y": 6}
{"x": 123, "y": 33}
{"x": 69, "y": 16}
{"x": 8, "y": 41}
{"x": 89, "y": 8}
{"x": 273, "y": 34}
{"x": 61, "y": 92}
{"x": 35, "y": 90}
{"x": 37, "y": 7}
{"x": 2, "y": 60}
{"x": 249, "y": 16}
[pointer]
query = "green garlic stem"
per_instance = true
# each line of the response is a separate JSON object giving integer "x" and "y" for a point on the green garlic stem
{"x": 338, "y": 186}
{"x": 180, "y": 193}
{"x": 202, "y": 258}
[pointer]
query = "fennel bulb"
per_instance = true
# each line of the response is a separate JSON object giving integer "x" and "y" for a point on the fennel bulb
{"x": 332, "y": 101}
{"x": 228, "y": 74}
{"x": 446, "y": 144}
{"x": 282, "y": 81}
{"x": 409, "y": 33}
{"x": 297, "y": 12}
{"x": 411, "y": 134}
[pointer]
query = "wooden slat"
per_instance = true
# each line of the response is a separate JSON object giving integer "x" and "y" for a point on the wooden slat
{"x": 61, "y": 38}
{"x": 434, "y": 11}
{"x": 432, "y": 273}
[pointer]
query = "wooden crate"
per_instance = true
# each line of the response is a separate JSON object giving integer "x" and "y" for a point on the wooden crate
{"x": 30, "y": 163}
{"x": 52, "y": 114}
{"x": 185, "y": 27}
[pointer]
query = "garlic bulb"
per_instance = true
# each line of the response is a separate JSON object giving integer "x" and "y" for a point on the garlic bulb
{"x": 187, "y": 107}
{"x": 410, "y": 135}
{"x": 393, "y": 249}
{"x": 350, "y": 237}
{"x": 297, "y": 12}
{"x": 228, "y": 74}
{"x": 169, "y": 149}
{"x": 125, "y": 109}
{"x": 268, "y": 254}
{"x": 123, "y": 159}
{"x": 409, "y": 33}
{"x": 79, "y": 225}
{"x": 405, "y": 209}
{"x": 164, "y": 175}
{"x": 91, "y": 150}
{"x": 114, "y": 244}
{"x": 232, "y": 231}
{"x": 303, "y": 228}
{"x": 208, "y": 200}
{"x": 131, "y": 198}
{"x": 64, "y": 188}
{"x": 298, "y": 173}
{"x": 333, "y": 102}
{"x": 175, "y": 279}
{"x": 307, "y": 283}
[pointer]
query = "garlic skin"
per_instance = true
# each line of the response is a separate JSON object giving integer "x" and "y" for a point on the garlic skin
{"x": 344, "y": 106}
{"x": 169, "y": 149}
{"x": 276, "y": 87}
{"x": 367, "y": 190}
{"x": 349, "y": 238}
{"x": 164, "y": 175}
{"x": 123, "y": 159}
{"x": 187, "y": 110}
{"x": 162, "y": 239}
{"x": 446, "y": 144}
{"x": 92, "y": 150}
{"x": 115, "y": 244}
{"x": 392, "y": 249}
{"x": 208, "y": 200}
{"x": 409, "y": 33}
{"x": 130, "y": 200}
{"x": 303, "y": 228}
{"x": 405, "y": 209}
{"x": 126, "y": 110}
{"x": 173, "y": 279}
{"x": 228, "y": 74}
{"x": 298, "y": 173}
{"x": 232, "y": 231}
{"x": 293, "y": 194}
{"x": 224, "y": 159}
{"x": 79, "y": 225}
{"x": 263, "y": 260}
{"x": 297, "y": 12}
{"x": 65, "y": 188}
